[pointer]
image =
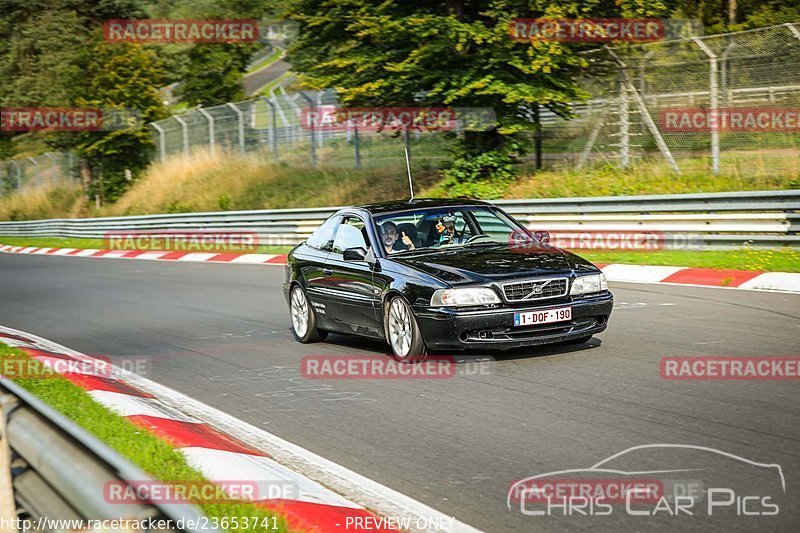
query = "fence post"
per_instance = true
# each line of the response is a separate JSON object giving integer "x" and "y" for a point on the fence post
{"x": 240, "y": 115}
{"x": 273, "y": 132}
{"x": 407, "y": 143}
{"x": 162, "y": 140}
{"x": 49, "y": 156}
{"x": 356, "y": 145}
{"x": 310, "y": 102}
{"x": 18, "y": 173}
{"x": 211, "y": 136}
{"x": 723, "y": 72}
{"x": 624, "y": 133}
{"x": 321, "y": 136}
{"x": 71, "y": 165}
{"x": 713, "y": 105}
{"x": 185, "y": 130}
{"x": 36, "y": 170}
{"x": 537, "y": 136}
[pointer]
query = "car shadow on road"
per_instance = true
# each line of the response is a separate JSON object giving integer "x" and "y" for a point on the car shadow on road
{"x": 377, "y": 347}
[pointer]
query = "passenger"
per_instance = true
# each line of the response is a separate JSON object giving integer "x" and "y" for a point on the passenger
{"x": 390, "y": 242}
{"x": 447, "y": 228}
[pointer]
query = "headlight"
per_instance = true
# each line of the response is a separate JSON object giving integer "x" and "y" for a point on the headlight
{"x": 464, "y": 297}
{"x": 589, "y": 284}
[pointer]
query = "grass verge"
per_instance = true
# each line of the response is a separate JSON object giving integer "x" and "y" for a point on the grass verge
{"x": 148, "y": 452}
{"x": 778, "y": 260}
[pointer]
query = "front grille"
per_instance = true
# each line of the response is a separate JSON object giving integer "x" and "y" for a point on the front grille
{"x": 537, "y": 289}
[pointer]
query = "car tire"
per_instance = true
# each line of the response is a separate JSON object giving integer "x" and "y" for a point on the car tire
{"x": 579, "y": 340}
{"x": 403, "y": 333}
{"x": 304, "y": 320}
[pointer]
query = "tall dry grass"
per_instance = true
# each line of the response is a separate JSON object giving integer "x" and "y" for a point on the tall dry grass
{"x": 227, "y": 181}
{"x": 205, "y": 182}
{"x": 43, "y": 202}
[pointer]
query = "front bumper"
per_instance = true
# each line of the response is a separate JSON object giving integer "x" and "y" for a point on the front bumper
{"x": 444, "y": 328}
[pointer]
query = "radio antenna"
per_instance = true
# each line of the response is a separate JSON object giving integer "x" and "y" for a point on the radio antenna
{"x": 408, "y": 168}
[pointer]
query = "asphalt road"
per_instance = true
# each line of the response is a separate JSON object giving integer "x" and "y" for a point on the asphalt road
{"x": 221, "y": 334}
{"x": 255, "y": 81}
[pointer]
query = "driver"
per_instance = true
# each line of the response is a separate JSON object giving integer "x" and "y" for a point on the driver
{"x": 447, "y": 230}
{"x": 390, "y": 242}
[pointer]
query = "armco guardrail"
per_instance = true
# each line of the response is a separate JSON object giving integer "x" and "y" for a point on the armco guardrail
{"x": 60, "y": 472}
{"x": 717, "y": 220}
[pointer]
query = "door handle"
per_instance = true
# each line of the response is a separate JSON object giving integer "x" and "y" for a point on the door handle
{"x": 327, "y": 271}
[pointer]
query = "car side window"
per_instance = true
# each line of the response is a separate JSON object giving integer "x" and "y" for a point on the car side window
{"x": 351, "y": 234}
{"x": 322, "y": 238}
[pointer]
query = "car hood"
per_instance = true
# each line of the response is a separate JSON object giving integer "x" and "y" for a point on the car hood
{"x": 481, "y": 264}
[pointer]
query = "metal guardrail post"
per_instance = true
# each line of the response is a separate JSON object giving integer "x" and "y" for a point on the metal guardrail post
{"x": 162, "y": 140}
{"x": 185, "y": 130}
{"x": 240, "y": 116}
{"x": 713, "y": 70}
{"x": 211, "y": 137}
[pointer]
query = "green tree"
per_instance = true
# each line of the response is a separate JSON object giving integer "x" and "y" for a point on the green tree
{"x": 456, "y": 53}
{"x": 213, "y": 75}
{"x": 123, "y": 78}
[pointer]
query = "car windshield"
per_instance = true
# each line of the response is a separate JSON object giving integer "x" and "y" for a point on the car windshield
{"x": 446, "y": 227}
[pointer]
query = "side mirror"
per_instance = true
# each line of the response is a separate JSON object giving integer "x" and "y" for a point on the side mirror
{"x": 543, "y": 236}
{"x": 354, "y": 254}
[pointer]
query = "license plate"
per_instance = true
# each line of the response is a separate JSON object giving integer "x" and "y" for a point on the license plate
{"x": 549, "y": 316}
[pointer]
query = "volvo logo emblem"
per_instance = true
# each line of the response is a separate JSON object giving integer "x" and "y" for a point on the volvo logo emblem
{"x": 537, "y": 289}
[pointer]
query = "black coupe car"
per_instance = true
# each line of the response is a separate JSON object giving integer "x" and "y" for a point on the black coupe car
{"x": 430, "y": 274}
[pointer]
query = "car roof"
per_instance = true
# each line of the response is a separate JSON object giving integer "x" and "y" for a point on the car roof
{"x": 418, "y": 203}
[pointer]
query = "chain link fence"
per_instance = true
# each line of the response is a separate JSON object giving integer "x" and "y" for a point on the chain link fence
{"x": 274, "y": 125}
{"x": 721, "y": 104}
{"x": 48, "y": 171}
